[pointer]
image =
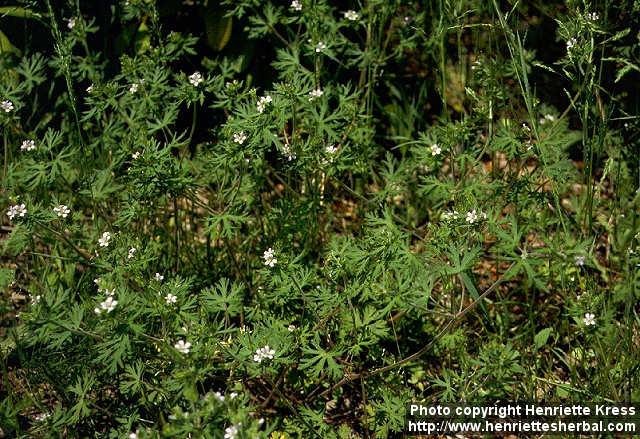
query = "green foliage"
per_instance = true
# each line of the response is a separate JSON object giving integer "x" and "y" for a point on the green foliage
{"x": 234, "y": 219}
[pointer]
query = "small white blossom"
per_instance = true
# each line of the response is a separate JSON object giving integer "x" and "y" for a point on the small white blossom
{"x": 263, "y": 102}
{"x": 17, "y": 210}
{"x": 196, "y": 79}
{"x": 579, "y": 260}
{"x": 269, "y": 259}
{"x": 133, "y": 435}
{"x": 450, "y": 215}
{"x": 472, "y": 216}
{"x": 133, "y": 88}
{"x": 260, "y": 421}
{"x": 170, "y": 299}
{"x": 435, "y": 149}
{"x": 136, "y": 155}
{"x": 36, "y": 299}
{"x": 351, "y": 15}
{"x": 313, "y": 94}
{"x": 28, "y": 145}
{"x": 296, "y": 5}
{"x": 41, "y": 417}
{"x": 108, "y": 305}
{"x": 288, "y": 152}
{"x": 291, "y": 328}
{"x": 239, "y": 137}
{"x": 232, "y": 432}
{"x": 132, "y": 252}
{"x": 571, "y": 44}
{"x": 6, "y": 106}
{"x": 62, "y": 211}
{"x": 320, "y": 46}
{"x": 182, "y": 346}
{"x": 331, "y": 149}
{"x": 589, "y": 319}
{"x": 110, "y": 292}
{"x": 262, "y": 353}
{"x": 593, "y": 16}
{"x": 90, "y": 89}
{"x": 159, "y": 277}
{"x": 219, "y": 396}
{"x": 104, "y": 241}
{"x": 71, "y": 23}
{"x": 233, "y": 395}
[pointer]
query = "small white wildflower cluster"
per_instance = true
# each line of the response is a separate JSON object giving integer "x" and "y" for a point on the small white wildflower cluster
{"x": 62, "y": 211}
{"x": 593, "y": 16}
{"x": 263, "y": 102}
{"x": 182, "y": 346}
{"x": 450, "y": 215}
{"x": 579, "y": 260}
{"x": 71, "y": 23}
{"x": 571, "y": 43}
{"x": 269, "y": 259}
{"x": 477, "y": 63}
{"x": 589, "y": 319}
{"x": 131, "y": 253}
{"x": 314, "y": 94}
{"x": 36, "y": 299}
{"x": 158, "y": 277}
{"x": 17, "y": 210}
{"x": 288, "y": 152}
{"x": 351, "y": 15}
{"x": 435, "y": 149}
{"x": 320, "y": 46}
{"x": 105, "y": 240}
{"x": 196, "y": 79}
{"x": 239, "y": 137}
{"x": 296, "y": 5}
{"x": 263, "y": 353}
{"x": 133, "y": 88}
{"x": 170, "y": 299}
{"x": 473, "y": 216}
{"x": 28, "y": 145}
{"x": 108, "y": 305}
{"x": 232, "y": 431}
{"x": 331, "y": 149}
{"x": 291, "y": 327}
{"x": 90, "y": 89}
{"x": 6, "y": 106}
{"x": 548, "y": 118}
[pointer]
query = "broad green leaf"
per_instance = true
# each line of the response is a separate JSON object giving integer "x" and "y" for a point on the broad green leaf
{"x": 218, "y": 28}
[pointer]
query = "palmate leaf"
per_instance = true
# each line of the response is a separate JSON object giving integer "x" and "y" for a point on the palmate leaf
{"x": 322, "y": 362}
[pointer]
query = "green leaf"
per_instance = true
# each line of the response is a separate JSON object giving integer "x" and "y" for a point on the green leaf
{"x": 218, "y": 28}
{"x": 6, "y": 46}
{"x": 17, "y": 11}
{"x": 542, "y": 337}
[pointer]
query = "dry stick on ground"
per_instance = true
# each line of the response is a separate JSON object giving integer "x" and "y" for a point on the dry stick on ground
{"x": 423, "y": 350}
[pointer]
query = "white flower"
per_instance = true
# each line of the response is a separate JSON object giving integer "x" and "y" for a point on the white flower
{"x": 132, "y": 252}
{"x": 351, "y": 15}
{"x": 219, "y": 396}
{"x": 17, "y": 210}
{"x": 133, "y": 88}
{"x": 133, "y": 435}
{"x": 331, "y": 149}
{"x": 41, "y": 416}
{"x": 28, "y": 145}
{"x": 313, "y": 94}
{"x": 62, "y": 211}
{"x": 262, "y": 353}
{"x": 472, "y": 216}
{"x": 182, "y": 346}
{"x": 108, "y": 305}
{"x": 136, "y": 155}
{"x": 593, "y": 16}
{"x": 110, "y": 292}
{"x": 450, "y": 215}
{"x": 196, "y": 79}
{"x": 104, "y": 241}
{"x": 589, "y": 319}
{"x": 36, "y": 299}
{"x": 269, "y": 260}
{"x": 71, "y": 23}
{"x": 240, "y": 137}
{"x": 233, "y": 395}
{"x": 291, "y": 328}
{"x": 287, "y": 151}
{"x": 579, "y": 260}
{"x": 260, "y": 421}
{"x": 159, "y": 277}
{"x": 571, "y": 43}
{"x": 90, "y": 89}
{"x": 435, "y": 149}
{"x": 6, "y": 106}
{"x": 296, "y": 5}
{"x": 170, "y": 299}
{"x": 232, "y": 432}
{"x": 263, "y": 102}
{"x": 320, "y": 46}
